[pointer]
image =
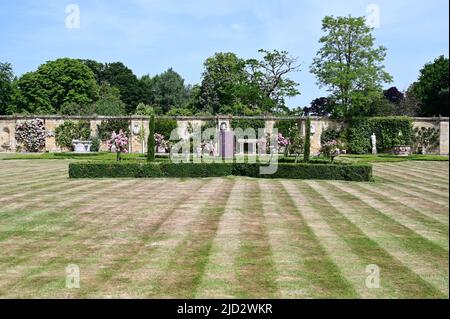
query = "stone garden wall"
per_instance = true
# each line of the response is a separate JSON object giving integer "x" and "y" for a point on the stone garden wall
{"x": 8, "y": 124}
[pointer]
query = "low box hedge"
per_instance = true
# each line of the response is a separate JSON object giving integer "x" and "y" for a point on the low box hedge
{"x": 347, "y": 172}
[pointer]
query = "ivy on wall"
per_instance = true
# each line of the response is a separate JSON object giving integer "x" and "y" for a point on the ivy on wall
{"x": 390, "y": 132}
{"x": 106, "y": 128}
{"x": 70, "y": 130}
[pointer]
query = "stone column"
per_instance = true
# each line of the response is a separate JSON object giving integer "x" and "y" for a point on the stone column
{"x": 443, "y": 140}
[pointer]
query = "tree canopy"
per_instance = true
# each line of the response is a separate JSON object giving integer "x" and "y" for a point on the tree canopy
{"x": 6, "y": 86}
{"x": 52, "y": 85}
{"x": 349, "y": 65}
{"x": 432, "y": 88}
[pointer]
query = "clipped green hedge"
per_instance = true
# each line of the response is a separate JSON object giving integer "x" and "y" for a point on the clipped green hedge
{"x": 386, "y": 129}
{"x": 349, "y": 172}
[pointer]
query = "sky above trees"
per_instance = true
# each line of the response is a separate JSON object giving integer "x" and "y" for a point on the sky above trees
{"x": 149, "y": 36}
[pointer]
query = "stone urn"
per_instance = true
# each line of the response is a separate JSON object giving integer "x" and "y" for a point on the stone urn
{"x": 402, "y": 150}
{"x": 81, "y": 146}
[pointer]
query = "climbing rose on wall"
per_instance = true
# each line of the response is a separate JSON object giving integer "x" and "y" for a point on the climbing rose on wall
{"x": 283, "y": 142}
{"x": 31, "y": 135}
{"x": 118, "y": 143}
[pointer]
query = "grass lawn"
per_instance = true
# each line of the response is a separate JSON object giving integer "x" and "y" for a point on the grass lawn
{"x": 224, "y": 237}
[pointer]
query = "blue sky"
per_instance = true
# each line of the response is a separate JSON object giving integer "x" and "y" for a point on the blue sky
{"x": 150, "y": 36}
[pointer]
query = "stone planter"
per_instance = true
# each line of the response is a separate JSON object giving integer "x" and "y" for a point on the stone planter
{"x": 81, "y": 146}
{"x": 402, "y": 150}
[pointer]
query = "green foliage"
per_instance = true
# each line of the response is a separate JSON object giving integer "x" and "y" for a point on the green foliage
{"x": 349, "y": 65}
{"x": 70, "y": 130}
{"x": 123, "y": 78}
{"x": 144, "y": 110}
{"x": 106, "y": 128}
{"x": 288, "y": 128}
{"x": 165, "y": 127}
{"x": 168, "y": 91}
{"x": 329, "y": 135}
{"x": 432, "y": 88}
{"x": 425, "y": 139}
{"x": 151, "y": 140}
{"x": 307, "y": 145}
{"x": 245, "y": 124}
{"x": 353, "y": 172}
{"x": 6, "y": 86}
{"x": 390, "y": 132}
{"x": 52, "y": 85}
{"x": 109, "y": 103}
{"x": 179, "y": 112}
{"x": 96, "y": 142}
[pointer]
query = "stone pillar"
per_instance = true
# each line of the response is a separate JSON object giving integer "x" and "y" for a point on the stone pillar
{"x": 138, "y": 136}
{"x": 50, "y": 140}
{"x": 443, "y": 140}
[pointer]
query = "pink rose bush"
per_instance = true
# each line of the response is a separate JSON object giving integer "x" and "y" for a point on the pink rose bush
{"x": 331, "y": 149}
{"x": 283, "y": 143}
{"x": 31, "y": 135}
{"x": 118, "y": 143}
{"x": 160, "y": 142}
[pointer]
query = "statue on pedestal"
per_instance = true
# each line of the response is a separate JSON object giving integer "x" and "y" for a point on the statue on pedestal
{"x": 374, "y": 144}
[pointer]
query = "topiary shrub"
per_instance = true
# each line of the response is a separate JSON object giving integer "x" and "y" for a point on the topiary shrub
{"x": 307, "y": 145}
{"x": 347, "y": 172}
{"x": 151, "y": 140}
{"x": 70, "y": 130}
{"x": 31, "y": 136}
{"x": 106, "y": 128}
{"x": 96, "y": 142}
{"x": 390, "y": 132}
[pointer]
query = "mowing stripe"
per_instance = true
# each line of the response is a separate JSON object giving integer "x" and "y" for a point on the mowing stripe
{"x": 429, "y": 229}
{"x": 352, "y": 267}
{"x": 425, "y": 196}
{"x": 425, "y": 258}
{"x": 420, "y": 185}
{"x": 422, "y": 171}
{"x": 186, "y": 267}
{"x": 394, "y": 275}
{"x": 254, "y": 264}
{"x": 219, "y": 276}
{"x": 439, "y": 182}
{"x": 417, "y": 205}
{"x": 304, "y": 267}
{"x": 148, "y": 244}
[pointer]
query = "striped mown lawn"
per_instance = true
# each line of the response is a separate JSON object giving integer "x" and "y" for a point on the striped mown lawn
{"x": 224, "y": 237}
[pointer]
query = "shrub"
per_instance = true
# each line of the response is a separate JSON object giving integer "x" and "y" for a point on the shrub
{"x": 348, "y": 172}
{"x": 307, "y": 151}
{"x": 118, "y": 143}
{"x": 248, "y": 123}
{"x": 425, "y": 139}
{"x": 31, "y": 135}
{"x": 95, "y": 147}
{"x": 329, "y": 135}
{"x": 106, "y": 128}
{"x": 151, "y": 140}
{"x": 165, "y": 127}
{"x": 288, "y": 128}
{"x": 70, "y": 130}
{"x": 390, "y": 132}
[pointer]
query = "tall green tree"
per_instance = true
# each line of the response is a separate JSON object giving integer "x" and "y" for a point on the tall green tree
{"x": 432, "y": 88}
{"x": 6, "y": 86}
{"x": 349, "y": 64}
{"x": 109, "y": 103}
{"x": 170, "y": 91}
{"x": 271, "y": 76}
{"x": 52, "y": 85}
{"x": 307, "y": 145}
